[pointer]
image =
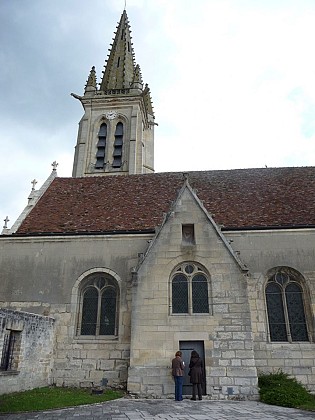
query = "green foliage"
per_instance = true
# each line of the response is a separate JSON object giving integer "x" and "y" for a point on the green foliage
{"x": 280, "y": 389}
{"x": 52, "y": 397}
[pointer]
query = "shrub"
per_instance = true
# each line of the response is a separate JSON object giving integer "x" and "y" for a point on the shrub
{"x": 280, "y": 389}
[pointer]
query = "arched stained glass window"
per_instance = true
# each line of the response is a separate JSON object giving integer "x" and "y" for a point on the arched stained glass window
{"x": 200, "y": 301}
{"x": 89, "y": 311}
{"x": 275, "y": 310}
{"x": 108, "y": 311}
{"x": 99, "y": 306}
{"x": 101, "y": 147}
{"x": 190, "y": 290}
{"x": 180, "y": 294}
{"x": 285, "y": 307}
{"x": 296, "y": 315}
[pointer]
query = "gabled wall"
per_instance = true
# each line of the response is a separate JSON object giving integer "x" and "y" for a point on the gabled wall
{"x": 226, "y": 331}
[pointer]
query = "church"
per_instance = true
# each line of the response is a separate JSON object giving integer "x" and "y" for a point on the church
{"x": 106, "y": 274}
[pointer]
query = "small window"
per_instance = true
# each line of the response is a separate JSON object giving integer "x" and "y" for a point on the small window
{"x": 190, "y": 290}
{"x": 118, "y": 145}
{"x": 10, "y": 351}
{"x": 286, "y": 307}
{"x": 101, "y": 147}
{"x": 188, "y": 235}
{"x": 99, "y": 306}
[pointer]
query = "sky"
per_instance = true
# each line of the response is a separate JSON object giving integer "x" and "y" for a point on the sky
{"x": 232, "y": 83}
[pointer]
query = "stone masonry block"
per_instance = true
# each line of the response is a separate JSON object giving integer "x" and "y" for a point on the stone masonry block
{"x": 134, "y": 388}
{"x": 228, "y": 354}
{"x": 217, "y": 371}
{"x": 241, "y": 372}
{"x": 248, "y": 362}
{"x": 105, "y": 364}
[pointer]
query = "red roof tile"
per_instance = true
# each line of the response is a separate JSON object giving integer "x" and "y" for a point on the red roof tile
{"x": 237, "y": 199}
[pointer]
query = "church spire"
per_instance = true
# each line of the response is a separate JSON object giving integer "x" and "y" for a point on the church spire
{"x": 120, "y": 67}
{"x": 116, "y": 132}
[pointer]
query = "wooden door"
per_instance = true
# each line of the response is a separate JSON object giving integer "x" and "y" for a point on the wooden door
{"x": 186, "y": 347}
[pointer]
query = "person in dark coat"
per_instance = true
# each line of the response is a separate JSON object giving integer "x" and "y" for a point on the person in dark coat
{"x": 196, "y": 374}
{"x": 178, "y": 367}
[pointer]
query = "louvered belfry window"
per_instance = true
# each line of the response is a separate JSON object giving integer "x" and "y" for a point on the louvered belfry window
{"x": 118, "y": 145}
{"x": 99, "y": 306}
{"x": 190, "y": 290}
{"x": 286, "y": 308}
{"x": 101, "y": 147}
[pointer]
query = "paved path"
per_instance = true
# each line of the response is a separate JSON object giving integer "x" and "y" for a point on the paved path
{"x": 128, "y": 409}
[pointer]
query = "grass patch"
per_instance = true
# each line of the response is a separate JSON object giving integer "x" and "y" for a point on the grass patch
{"x": 280, "y": 389}
{"x": 39, "y": 399}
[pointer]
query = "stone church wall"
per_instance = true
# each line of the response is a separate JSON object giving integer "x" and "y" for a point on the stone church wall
{"x": 262, "y": 251}
{"x": 26, "y": 345}
{"x": 44, "y": 278}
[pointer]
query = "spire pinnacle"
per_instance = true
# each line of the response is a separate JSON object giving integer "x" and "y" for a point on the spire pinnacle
{"x": 91, "y": 81}
{"x": 120, "y": 66}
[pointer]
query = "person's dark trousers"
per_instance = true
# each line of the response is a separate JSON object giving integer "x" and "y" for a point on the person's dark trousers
{"x": 179, "y": 388}
{"x": 195, "y": 388}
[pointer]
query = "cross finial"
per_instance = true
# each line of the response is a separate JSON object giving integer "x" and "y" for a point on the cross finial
{"x": 54, "y": 165}
{"x": 34, "y": 182}
{"x": 6, "y": 220}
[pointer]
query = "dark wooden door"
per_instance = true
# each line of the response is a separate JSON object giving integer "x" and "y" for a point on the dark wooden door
{"x": 186, "y": 347}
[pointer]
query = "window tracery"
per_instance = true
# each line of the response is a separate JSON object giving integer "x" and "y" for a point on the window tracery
{"x": 99, "y": 306}
{"x": 285, "y": 300}
{"x": 189, "y": 290}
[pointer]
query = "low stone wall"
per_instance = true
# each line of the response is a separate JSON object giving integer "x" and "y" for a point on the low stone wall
{"x": 26, "y": 350}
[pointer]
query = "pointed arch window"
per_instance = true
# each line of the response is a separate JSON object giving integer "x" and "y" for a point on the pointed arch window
{"x": 180, "y": 294}
{"x": 118, "y": 145}
{"x": 99, "y": 306}
{"x": 286, "y": 307}
{"x": 190, "y": 290}
{"x": 101, "y": 147}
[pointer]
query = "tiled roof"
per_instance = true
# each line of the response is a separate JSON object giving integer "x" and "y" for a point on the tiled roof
{"x": 237, "y": 199}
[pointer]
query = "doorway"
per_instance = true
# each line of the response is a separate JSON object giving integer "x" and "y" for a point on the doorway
{"x": 186, "y": 347}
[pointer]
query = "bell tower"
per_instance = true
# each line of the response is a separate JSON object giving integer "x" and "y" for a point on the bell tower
{"x": 116, "y": 132}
